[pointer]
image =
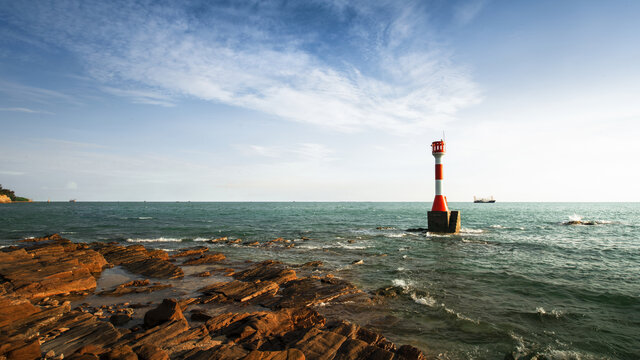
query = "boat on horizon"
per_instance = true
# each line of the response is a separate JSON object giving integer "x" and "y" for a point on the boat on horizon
{"x": 483, "y": 200}
{"x": 72, "y": 200}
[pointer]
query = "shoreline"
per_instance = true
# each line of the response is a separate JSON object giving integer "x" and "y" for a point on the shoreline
{"x": 76, "y": 300}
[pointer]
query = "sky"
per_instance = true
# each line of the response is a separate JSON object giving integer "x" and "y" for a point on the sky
{"x": 319, "y": 100}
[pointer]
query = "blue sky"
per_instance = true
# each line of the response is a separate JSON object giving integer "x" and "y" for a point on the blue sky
{"x": 320, "y": 100}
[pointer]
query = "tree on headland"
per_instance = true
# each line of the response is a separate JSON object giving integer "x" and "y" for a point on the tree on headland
{"x": 6, "y": 193}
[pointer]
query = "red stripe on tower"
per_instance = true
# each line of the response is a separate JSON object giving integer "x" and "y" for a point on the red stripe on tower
{"x": 438, "y": 171}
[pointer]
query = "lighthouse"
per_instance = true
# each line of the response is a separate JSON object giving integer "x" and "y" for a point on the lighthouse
{"x": 440, "y": 218}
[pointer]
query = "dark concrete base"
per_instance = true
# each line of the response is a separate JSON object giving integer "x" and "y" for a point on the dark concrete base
{"x": 447, "y": 222}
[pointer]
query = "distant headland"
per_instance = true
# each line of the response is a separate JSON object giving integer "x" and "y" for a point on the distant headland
{"x": 8, "y": 196}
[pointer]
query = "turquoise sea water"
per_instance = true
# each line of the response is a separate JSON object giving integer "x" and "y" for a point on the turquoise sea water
{"x": 516, "y": 280}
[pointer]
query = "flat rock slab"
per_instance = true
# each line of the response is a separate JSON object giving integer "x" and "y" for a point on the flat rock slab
{"x": 312, "y": 291}
{"x": 241, "y": 290}
{"x": 205, "y": 259}
{"x": 267, "y": 271}
{"x": 134, "y": 287}
{"x": 47, "y": 268}
{"x": 139, "y": 260}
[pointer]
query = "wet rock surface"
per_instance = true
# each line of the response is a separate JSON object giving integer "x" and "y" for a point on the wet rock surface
{"x": 262, "y": 310}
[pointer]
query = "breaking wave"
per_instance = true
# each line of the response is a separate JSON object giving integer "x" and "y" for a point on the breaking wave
{"x": 160, "y": 239}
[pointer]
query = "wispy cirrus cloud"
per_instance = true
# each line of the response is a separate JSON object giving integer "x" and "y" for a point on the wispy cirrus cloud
{"x": 394, "y": 76}
{"x": 25, "y": 110}
{"x": 293, "y": 152}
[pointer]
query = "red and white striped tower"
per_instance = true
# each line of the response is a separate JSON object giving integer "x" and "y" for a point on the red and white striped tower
{"x": 440, "y": 201}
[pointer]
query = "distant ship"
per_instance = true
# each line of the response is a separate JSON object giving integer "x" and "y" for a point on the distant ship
{"x": 72, "y": 200}
{"x": 484, "y": 200}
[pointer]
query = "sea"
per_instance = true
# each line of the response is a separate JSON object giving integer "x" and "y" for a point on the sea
{"x": 518, "y": 280}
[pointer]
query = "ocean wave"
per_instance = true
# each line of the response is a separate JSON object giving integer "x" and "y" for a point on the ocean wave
{"x": 333, "y": 246}
{"x": 401, "y": 269}
{"x": 423, "y": 300}
{"x": 471, "y": 231}
{"x": 459, "y": 315}
{"x": 144, "y": 217}
{"x": 160, "y": 239}
{"x": 554, "y": 313}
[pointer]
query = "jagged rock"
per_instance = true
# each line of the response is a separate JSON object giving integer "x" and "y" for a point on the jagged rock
{"x": 199, "y": 250}
{"x": 267, "y": 271}
{"x": 137, "y": 259}
{"x": 389, "y": 291}
{"x": 203, "y": 274}
{"x": 169, "y": 310}
{"x": 84, "y": 329}
{"x": 240, "y": 290}
{"x": 319, "y": 344}
{"x": 220, "y": 239}
{"x": 357, "y": 262}
{"x": 205, "y": 259}
{"x": 253, "y": 329}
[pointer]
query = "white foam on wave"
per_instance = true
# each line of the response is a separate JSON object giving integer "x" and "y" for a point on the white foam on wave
{"x": 423, "y": 300}
{"x": 160, "y": 239}
{"x": 554, "y": 313}
{"x": 497, "y": 226}
{"x": 401, "y": 269}
{"x": 459, "y": 315}
{"x": 144, "y": 218}
{"x": 575, "y": 217}
{"x": 471, "y": 231}
{"x": 201, "y": 239}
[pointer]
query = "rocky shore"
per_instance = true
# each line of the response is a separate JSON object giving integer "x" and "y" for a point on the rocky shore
{"x": 51, "y": 307}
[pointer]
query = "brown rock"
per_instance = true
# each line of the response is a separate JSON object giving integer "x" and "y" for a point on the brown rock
{"x": 289, "y": 354}
{"x": 220, "y": 239}
{"x": 135, "y": 286}
{"x": 310, "y": 291}
{"x": 168, "y": 311}
{"x": 203, "y": 274}
{"x": 84, "y": 329}
{"x": 151, "y": 352}
{"x": 191, "y": 252}
{"x": 119, "y": 319}
{"x": 137, "y": 259}
{"x": 205, "y": 259}
{"x": 410, "y": 353}
{"x": 123, "y": 352}
{"x": 242, "y": 291}
{"x": 49, "y": 268}
{"x": 267, "y": 271}
{"x": 319, "y": 344}
{"x": 21, "y": 349}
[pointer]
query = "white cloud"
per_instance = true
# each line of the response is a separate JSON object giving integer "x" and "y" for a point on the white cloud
{"x": 142, "y": 96}
{"x": 408, "y": 85}
{"x": 466, "y": 11}
{"x": 24, "y": 110}
{"x": 11, "y": 173}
